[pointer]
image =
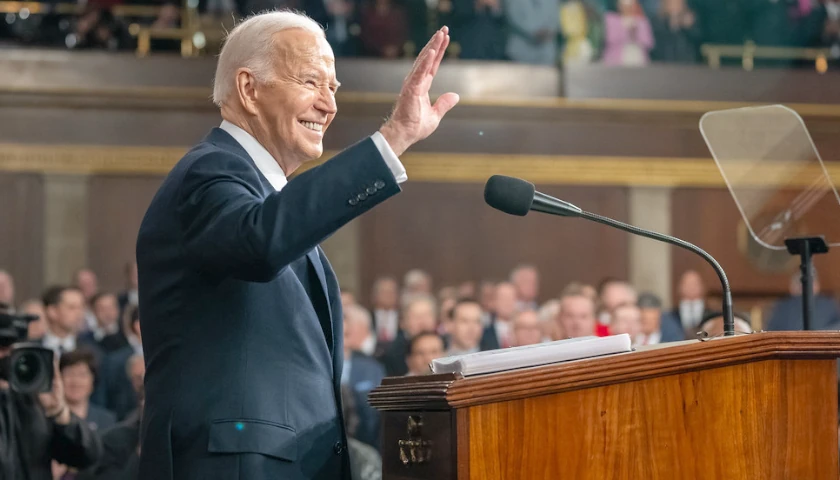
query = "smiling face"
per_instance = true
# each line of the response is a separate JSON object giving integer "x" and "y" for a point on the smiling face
{"x": 296, "y": 105}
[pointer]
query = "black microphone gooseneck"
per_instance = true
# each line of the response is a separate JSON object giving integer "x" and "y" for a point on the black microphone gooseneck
{"x": 517, "y": 197}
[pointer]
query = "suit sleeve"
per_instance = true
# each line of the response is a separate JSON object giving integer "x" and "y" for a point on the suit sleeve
{"x": 229, "y": 229}
{"x": 75, "y": 444}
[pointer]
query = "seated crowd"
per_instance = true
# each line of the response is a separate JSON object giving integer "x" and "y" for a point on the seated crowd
{"x": 399, "y": 332}
{"x": 615, "y": 32}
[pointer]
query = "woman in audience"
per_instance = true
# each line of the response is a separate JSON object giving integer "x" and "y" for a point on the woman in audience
{"x": 629, "y": 35}
{"x": 78, "y": 371}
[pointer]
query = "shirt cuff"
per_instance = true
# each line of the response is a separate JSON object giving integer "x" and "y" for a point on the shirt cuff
{"x": 390, "y": 157}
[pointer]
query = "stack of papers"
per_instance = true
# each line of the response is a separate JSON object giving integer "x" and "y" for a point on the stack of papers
{"x": 532, "y": 355}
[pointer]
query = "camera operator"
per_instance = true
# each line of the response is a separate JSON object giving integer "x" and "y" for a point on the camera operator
{"x": 38, "y": 428}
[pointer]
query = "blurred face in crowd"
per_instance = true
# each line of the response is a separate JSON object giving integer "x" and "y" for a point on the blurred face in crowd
{"x": 651, "y": 319}
{"x": 466, "y": 290}
{"x": 617, "y": 293}
{"x": 106, "y": 310}
{"x": 347, "y": 299}
{"x": 626, "y": 319}
{"x": 419, "y": 316}
{"x": 356, "y": 328}
{"x": 65, "y": 318}
{"x": 87, "y": 282}
{"x": 691, "y": 286}
{"x": 673, "y": 7}
{"x": 7, "y": 288}
{"x": 426, "y": 349}
{"x": 78, "y": 382}
{"x": 418, "y": 282}
{"x": 505, "y": 301}
{"x": 577, "y": 316}
{"x": 445, "y": 313}
{"x": 37, "y": 328}
{"x": 527, "y": 329}
{"x": 465, "y": 329}
{"x": 714, "y": 327}
{"x": 386, "y": 292}
{"x": 488, "y": 297}
{"x": 527, "y": 283}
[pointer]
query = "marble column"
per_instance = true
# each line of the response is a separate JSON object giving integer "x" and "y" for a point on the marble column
{"x": 650, "y": 261}
{"x": 65, "y": 226}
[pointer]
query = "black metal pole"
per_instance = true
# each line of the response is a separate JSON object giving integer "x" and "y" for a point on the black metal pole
{"x": 806, "y": 248}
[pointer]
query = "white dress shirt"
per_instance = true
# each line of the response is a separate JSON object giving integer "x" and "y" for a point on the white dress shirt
{"x": 271, "y": 170}
{"x": 59, "y": 345}
{"x": 691, "y": 313}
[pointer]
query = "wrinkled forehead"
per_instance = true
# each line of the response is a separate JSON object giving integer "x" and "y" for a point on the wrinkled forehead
{"x": 297, "y": 48}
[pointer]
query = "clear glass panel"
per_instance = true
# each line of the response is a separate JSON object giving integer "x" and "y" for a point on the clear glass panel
{"x": 774, "y": 173}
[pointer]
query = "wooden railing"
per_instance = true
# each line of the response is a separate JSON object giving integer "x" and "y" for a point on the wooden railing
{"x": 750, "y": 52}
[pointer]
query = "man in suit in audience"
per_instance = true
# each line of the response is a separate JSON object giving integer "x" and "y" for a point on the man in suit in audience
{"x": 361, "y": 373}
{"x": 577, "y": 315}
{"x": 527, "y": 328}
{"x": 691, "y": 306}
{"x": 64, "y": 309}
{"x": 499, "y": 333}
{"x": 422, "y": 349}
{"x": 787, "y": 312}
{"x": 386, "y": 316}
{"x": 240, "y": 309}
{"x": 114, "y": 390}
{"x": 418, "y": 316}
{"x": 655, "y": 328}
{"x": 465, "y": 328}
{"x": 106, "y": 332}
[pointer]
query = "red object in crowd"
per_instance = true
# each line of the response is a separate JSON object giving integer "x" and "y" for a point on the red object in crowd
{"x": 602, "y": 330}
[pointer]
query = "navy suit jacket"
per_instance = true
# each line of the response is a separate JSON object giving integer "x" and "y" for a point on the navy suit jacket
{"x": 241, "y": 315}
{"x": 365, "y": 375}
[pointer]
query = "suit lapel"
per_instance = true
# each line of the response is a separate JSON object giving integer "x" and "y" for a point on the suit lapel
{"x": 318, "y": 266}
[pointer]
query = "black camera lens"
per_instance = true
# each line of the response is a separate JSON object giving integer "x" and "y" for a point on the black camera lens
{"x": 27, "y": 368}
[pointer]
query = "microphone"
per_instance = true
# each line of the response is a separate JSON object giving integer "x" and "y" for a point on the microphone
{"x": 515, "y": 196}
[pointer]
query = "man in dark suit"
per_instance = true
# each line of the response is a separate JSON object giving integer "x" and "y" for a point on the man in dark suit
{"x": 239, "y": 308}
{"x": 787, "y": 312}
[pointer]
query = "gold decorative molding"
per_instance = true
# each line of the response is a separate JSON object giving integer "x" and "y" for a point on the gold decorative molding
{"x": 595, "y": 104}
{"x": 421, "y": 166}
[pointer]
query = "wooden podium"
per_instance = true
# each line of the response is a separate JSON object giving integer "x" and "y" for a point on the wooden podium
{"x": 749, "y": 407}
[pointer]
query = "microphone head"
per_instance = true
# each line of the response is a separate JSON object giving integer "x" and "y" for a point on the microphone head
{"x": 510, "y": 195}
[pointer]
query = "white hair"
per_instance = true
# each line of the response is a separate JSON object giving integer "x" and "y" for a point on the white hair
{"x": 250, "y": 45}
{"x": 357, "y": 313}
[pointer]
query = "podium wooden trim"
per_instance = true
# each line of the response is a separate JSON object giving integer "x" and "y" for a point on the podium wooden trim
{"x": 770, "y": 397}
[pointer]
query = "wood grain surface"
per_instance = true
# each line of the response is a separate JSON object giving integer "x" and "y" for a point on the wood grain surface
{"x": 774, "y": 419}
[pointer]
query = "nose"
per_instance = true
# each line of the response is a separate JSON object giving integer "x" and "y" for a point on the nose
{"x": 326, "y": 102}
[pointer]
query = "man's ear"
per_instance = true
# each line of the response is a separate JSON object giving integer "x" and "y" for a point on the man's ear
{"x": 246, "y": 90}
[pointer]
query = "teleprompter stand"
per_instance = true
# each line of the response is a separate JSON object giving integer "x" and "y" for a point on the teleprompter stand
{"x": 806, "y": 247}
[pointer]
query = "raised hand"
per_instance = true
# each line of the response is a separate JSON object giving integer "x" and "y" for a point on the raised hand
{"x": 414, "y": 117}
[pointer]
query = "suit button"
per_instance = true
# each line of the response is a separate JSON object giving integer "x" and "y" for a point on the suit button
{"x": 379, "y": 184}
{"x": 353, "y": 202}
{"x": 370, "y": 190}
{"x": 338, "y": 448}
{"x": 362, "y": 196}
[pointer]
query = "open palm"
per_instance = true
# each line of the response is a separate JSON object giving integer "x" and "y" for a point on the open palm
{"x": 414, "y": 117}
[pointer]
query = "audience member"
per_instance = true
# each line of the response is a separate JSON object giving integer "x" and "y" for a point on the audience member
{"x": 384, "y": 29}
{"x": 105, "y": 332}
{"x": 533, "y": 27}
{"x": 416, "y": 282}
{"x": 526, "y": 279}
{"x": 128, "y": 296}
{"x": 677, "y": 33}
{"x": 64, "y": 309}
{"x": 422, "y": 349}
{"x": 487, "y": 299}
{"x": 547, "y": 314}
{"x": 657, "y": 327}
{"x": 419, "y": 315}
{"x": 527, "y": 329}
{"x": 626, "y": 318}
{"x": 629, "y": 35}
{"x": 78, "y": 372}
{"x": 613, "y": 293}
{"x": 358, "y": 333}
{"x": 498, "y": 333}
{"x": 465, "y": 328}
{"x": 577, "y": 315}
{"x": 712, "y": 324}
{"x": 786, "y": 313}
{"x": 691, "y": 302}
{"x": 361, "y": 373}
{"x": 115, "y": 390}
{"x": 384, "y": 304}
{"x": 478, "y": 26}
{"x": 365, "y": 461}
